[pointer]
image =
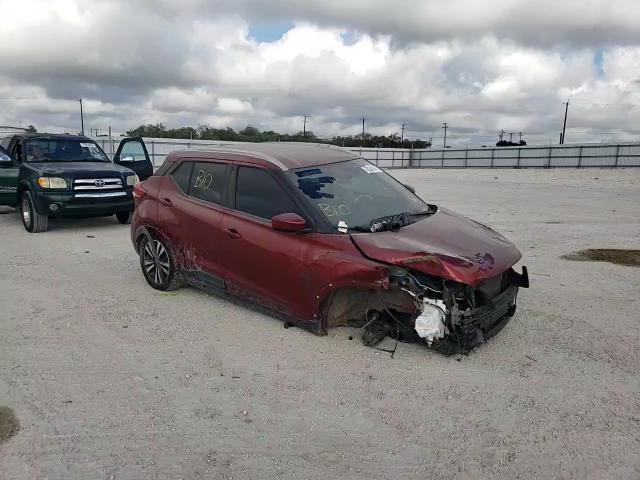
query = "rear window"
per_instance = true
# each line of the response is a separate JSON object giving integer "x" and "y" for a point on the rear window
{"x": 182, "y": 176}
{"x": 207, "y": 182}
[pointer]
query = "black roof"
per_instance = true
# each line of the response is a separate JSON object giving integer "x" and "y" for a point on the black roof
{"x": 286, "y": 155}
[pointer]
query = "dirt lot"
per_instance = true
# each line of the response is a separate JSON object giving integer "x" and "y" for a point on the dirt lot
{"x": 110, "y": 379}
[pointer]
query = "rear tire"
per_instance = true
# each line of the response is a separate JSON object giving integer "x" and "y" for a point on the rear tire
{"x": 124, "y": 217}
{"x": 158, "y": 266}
{"x": 33, "y": 221}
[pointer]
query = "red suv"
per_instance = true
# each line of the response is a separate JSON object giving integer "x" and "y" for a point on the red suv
{"x": 324, "y": 238}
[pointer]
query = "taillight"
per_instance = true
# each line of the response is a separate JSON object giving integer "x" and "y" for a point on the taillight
{"x": 138, "y": 191}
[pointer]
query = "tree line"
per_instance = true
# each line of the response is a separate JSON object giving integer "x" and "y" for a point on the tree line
{"x": 252, "y": 134}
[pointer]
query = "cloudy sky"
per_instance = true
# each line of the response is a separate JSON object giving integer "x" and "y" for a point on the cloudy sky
{"x": 480, "y": 66}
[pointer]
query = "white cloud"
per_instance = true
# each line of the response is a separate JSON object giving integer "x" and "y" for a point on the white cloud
{"x": 481, "y": 68}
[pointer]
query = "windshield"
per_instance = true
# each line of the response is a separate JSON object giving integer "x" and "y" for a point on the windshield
{"x": 352, "y": 194}
{"x": 63, "y": 150}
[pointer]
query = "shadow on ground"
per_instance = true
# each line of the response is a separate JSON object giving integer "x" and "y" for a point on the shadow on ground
{"x": 9, "y": 424}
{"x": 629, "y": 258}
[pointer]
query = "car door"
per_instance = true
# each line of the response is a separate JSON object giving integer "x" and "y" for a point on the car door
{"x": 9, "y": 168}
{"x": 132, "y": 153}
{"x": 262, "y": 264}
{"x": 191, "y": 205}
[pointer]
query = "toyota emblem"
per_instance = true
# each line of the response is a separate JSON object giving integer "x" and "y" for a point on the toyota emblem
{"x": 99, "y": 183}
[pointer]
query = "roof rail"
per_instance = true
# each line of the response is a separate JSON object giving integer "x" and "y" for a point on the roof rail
{"x": 231, "y": 150}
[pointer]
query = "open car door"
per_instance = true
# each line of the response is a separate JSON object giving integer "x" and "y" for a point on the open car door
{"x": 132, "y": 154}
{"x": 8, "y": 179}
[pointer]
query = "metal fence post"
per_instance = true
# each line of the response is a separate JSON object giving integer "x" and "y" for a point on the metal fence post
{"x": 153, "y": 153}
{"x": 549, "y": 159}
{"x": 579, "y": 156}
{"x": 615, "y": 164}
{"x": 377, "y": 155}
{"x": 518, "y": 161}
{"x": 466, "y": 158}
{"x": 393, "y": 158}
{"x": 493, "y": 152}
{"x": 442, "y": 159}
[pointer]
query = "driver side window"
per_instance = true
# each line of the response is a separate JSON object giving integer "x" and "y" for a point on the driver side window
{"x": 258, "y": 194}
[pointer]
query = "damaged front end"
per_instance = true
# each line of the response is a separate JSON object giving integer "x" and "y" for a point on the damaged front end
{"x": 475, "y": 314}
{"x": 450, "y": 317}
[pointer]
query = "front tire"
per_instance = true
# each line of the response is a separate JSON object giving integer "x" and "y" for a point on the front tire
{"x": 124, "y": 217}
{"x": 158, "y": 266}
{"x": 33, "y": 221}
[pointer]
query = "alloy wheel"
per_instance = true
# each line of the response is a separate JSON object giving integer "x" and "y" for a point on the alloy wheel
{"x": 156, "y": 262}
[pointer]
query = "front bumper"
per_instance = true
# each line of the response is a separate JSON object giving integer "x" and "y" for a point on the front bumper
{"x": 56, "y": 204}
{"x": 473, "y": 327}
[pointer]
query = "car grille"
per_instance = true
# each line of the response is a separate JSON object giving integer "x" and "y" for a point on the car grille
{"x": 491, "y": 287}
{"x": 98, "y": 187}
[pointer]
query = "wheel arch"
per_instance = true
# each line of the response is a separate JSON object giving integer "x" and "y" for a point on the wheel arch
{"x": 22, "y": 187}
{"x": 150, "y": 232}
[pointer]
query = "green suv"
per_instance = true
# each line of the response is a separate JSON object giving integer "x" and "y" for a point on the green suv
{"x": 47, "y": 175}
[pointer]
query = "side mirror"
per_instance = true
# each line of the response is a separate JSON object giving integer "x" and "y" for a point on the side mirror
{"x": 288, "y": 222}
{"x": 5, "y": 159}
{"x": 127, "y": 159}
{"x": 410, "y": 188}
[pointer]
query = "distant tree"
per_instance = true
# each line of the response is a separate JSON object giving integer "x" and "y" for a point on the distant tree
{"x": 249, "y": 131}
{"x": 31, "y": 129}
{"x": 506, "y": 143}
{"x": 252, "y": 134}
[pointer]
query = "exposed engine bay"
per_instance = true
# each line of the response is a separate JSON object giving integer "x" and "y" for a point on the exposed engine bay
{"x": 410, "y": 306}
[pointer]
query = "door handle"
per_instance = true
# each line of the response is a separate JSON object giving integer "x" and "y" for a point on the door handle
{"x": 167, "y": 202}
{"x": 233, "y": 233}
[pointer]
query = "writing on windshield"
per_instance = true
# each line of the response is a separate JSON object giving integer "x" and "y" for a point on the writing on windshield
{"x": 354, "y": 192}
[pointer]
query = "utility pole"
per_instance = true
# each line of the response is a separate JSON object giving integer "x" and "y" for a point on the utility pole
{"x": 81, "y": 118}
{"x": 445, "y": 126}
{"x": 564, "y": 127}
{"x": 520, "y": 137}
{"x": 304, "y": 127}
{"x": 501, "y": 134}
{"x": 402, "y": 135}
{"x": 511, "y": 137}
{"x": 362, "y": 140}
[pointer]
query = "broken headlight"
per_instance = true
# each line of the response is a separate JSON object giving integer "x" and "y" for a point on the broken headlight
{"x": 430, "y": 324}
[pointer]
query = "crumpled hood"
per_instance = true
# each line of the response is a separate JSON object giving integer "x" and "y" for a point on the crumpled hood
{"x": 79, "y": 169}
{"x": 444, "y": 244}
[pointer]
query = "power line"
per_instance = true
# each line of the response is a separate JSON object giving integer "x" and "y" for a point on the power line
{"x": 23, "y": 98}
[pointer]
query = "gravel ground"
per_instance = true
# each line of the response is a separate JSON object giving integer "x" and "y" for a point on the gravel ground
{"x": 110, "y": 379}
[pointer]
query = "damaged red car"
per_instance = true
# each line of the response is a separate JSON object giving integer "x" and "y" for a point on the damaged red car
{"x": 323, "y": 238}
